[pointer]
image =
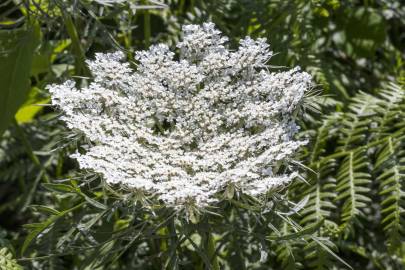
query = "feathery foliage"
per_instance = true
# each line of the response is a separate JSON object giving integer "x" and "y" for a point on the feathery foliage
{"x": 358, "y": 181}
{"x": 349, "y": 206}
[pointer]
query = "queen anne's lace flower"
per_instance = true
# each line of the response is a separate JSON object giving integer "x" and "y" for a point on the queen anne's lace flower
{"x": 185, "y": 129}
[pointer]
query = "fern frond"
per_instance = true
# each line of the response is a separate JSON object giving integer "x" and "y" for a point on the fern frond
{"x": 353, "y": 182}
{"x": 317, "y": 257}
{"x": 286, "y": 251}
{"x": 320, "y": 192}
{"x": 320, "y": 207}
{"x": 390, "y": 167}
{"x": 357, "y": 121}
{"x": 391, "y": 110}
{"x": 323, "y": 136}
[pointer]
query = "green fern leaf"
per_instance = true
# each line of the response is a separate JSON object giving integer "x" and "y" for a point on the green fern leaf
{"x": 390, "y": 166}
{"x": 318, "y": 257}
{"x": 357, "y": 121}
{"x": 286, "y": 251}
{"x": 353, "y": 182}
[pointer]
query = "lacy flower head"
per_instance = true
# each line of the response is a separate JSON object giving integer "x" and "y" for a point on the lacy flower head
{"x": 184, "y": 128}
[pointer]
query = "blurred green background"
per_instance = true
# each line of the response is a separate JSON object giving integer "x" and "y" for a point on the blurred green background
{"x": 355, "y": 51}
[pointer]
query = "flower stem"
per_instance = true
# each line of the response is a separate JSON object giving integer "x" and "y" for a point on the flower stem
{"x": 30, "y": 152}
{"x": 146, "y": 27}
{"x": 80, "y": 58}
{"x": 173, "y": 244}
{"x": 212, "y": 252}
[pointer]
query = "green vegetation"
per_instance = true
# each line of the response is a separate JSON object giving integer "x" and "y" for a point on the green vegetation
{"x": 349, "y": 208}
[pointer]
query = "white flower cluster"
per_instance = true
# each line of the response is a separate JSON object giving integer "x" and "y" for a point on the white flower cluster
{"x": 185, "y": 129}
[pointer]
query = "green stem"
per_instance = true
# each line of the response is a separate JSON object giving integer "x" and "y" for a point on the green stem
{"x": 192, "y": 5}
{"x": 154, "y": 246}
{"x": 146, "y": 27}
{"x": 80, "y": 57}
{"x": 212, "y": 251}
{"x": 59, "y": 166}
{"x": 208, "y": 248}
{"x": 28, "y": 198}
{"x": 30, "y": 151}
{"x": 181, "y": 7}
{"x": 128, "y": 35}
{"x": 42, "y": 171}
{"x": 21, "y": 183}
{"x": 234, "y": 238}
{"x": 174, "y": 242}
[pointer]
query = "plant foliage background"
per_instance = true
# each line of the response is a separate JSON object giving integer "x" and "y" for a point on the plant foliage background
{"x": 350, "y": 209}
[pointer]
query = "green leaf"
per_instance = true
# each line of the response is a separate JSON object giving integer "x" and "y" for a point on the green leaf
{"x": 41, "y": 61}
{"x": 45, "y": 209}
{"x": 304, "y": 232}
{"x": 28, "y": 112}
{"x": 59, "y": 187}
{"x": 16, "y": 54}
{"x": 391, "y": 175}
{"x": 94, "y": 202}
{"x": 31, "y": 107}
{"x": 38, "y": 228}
